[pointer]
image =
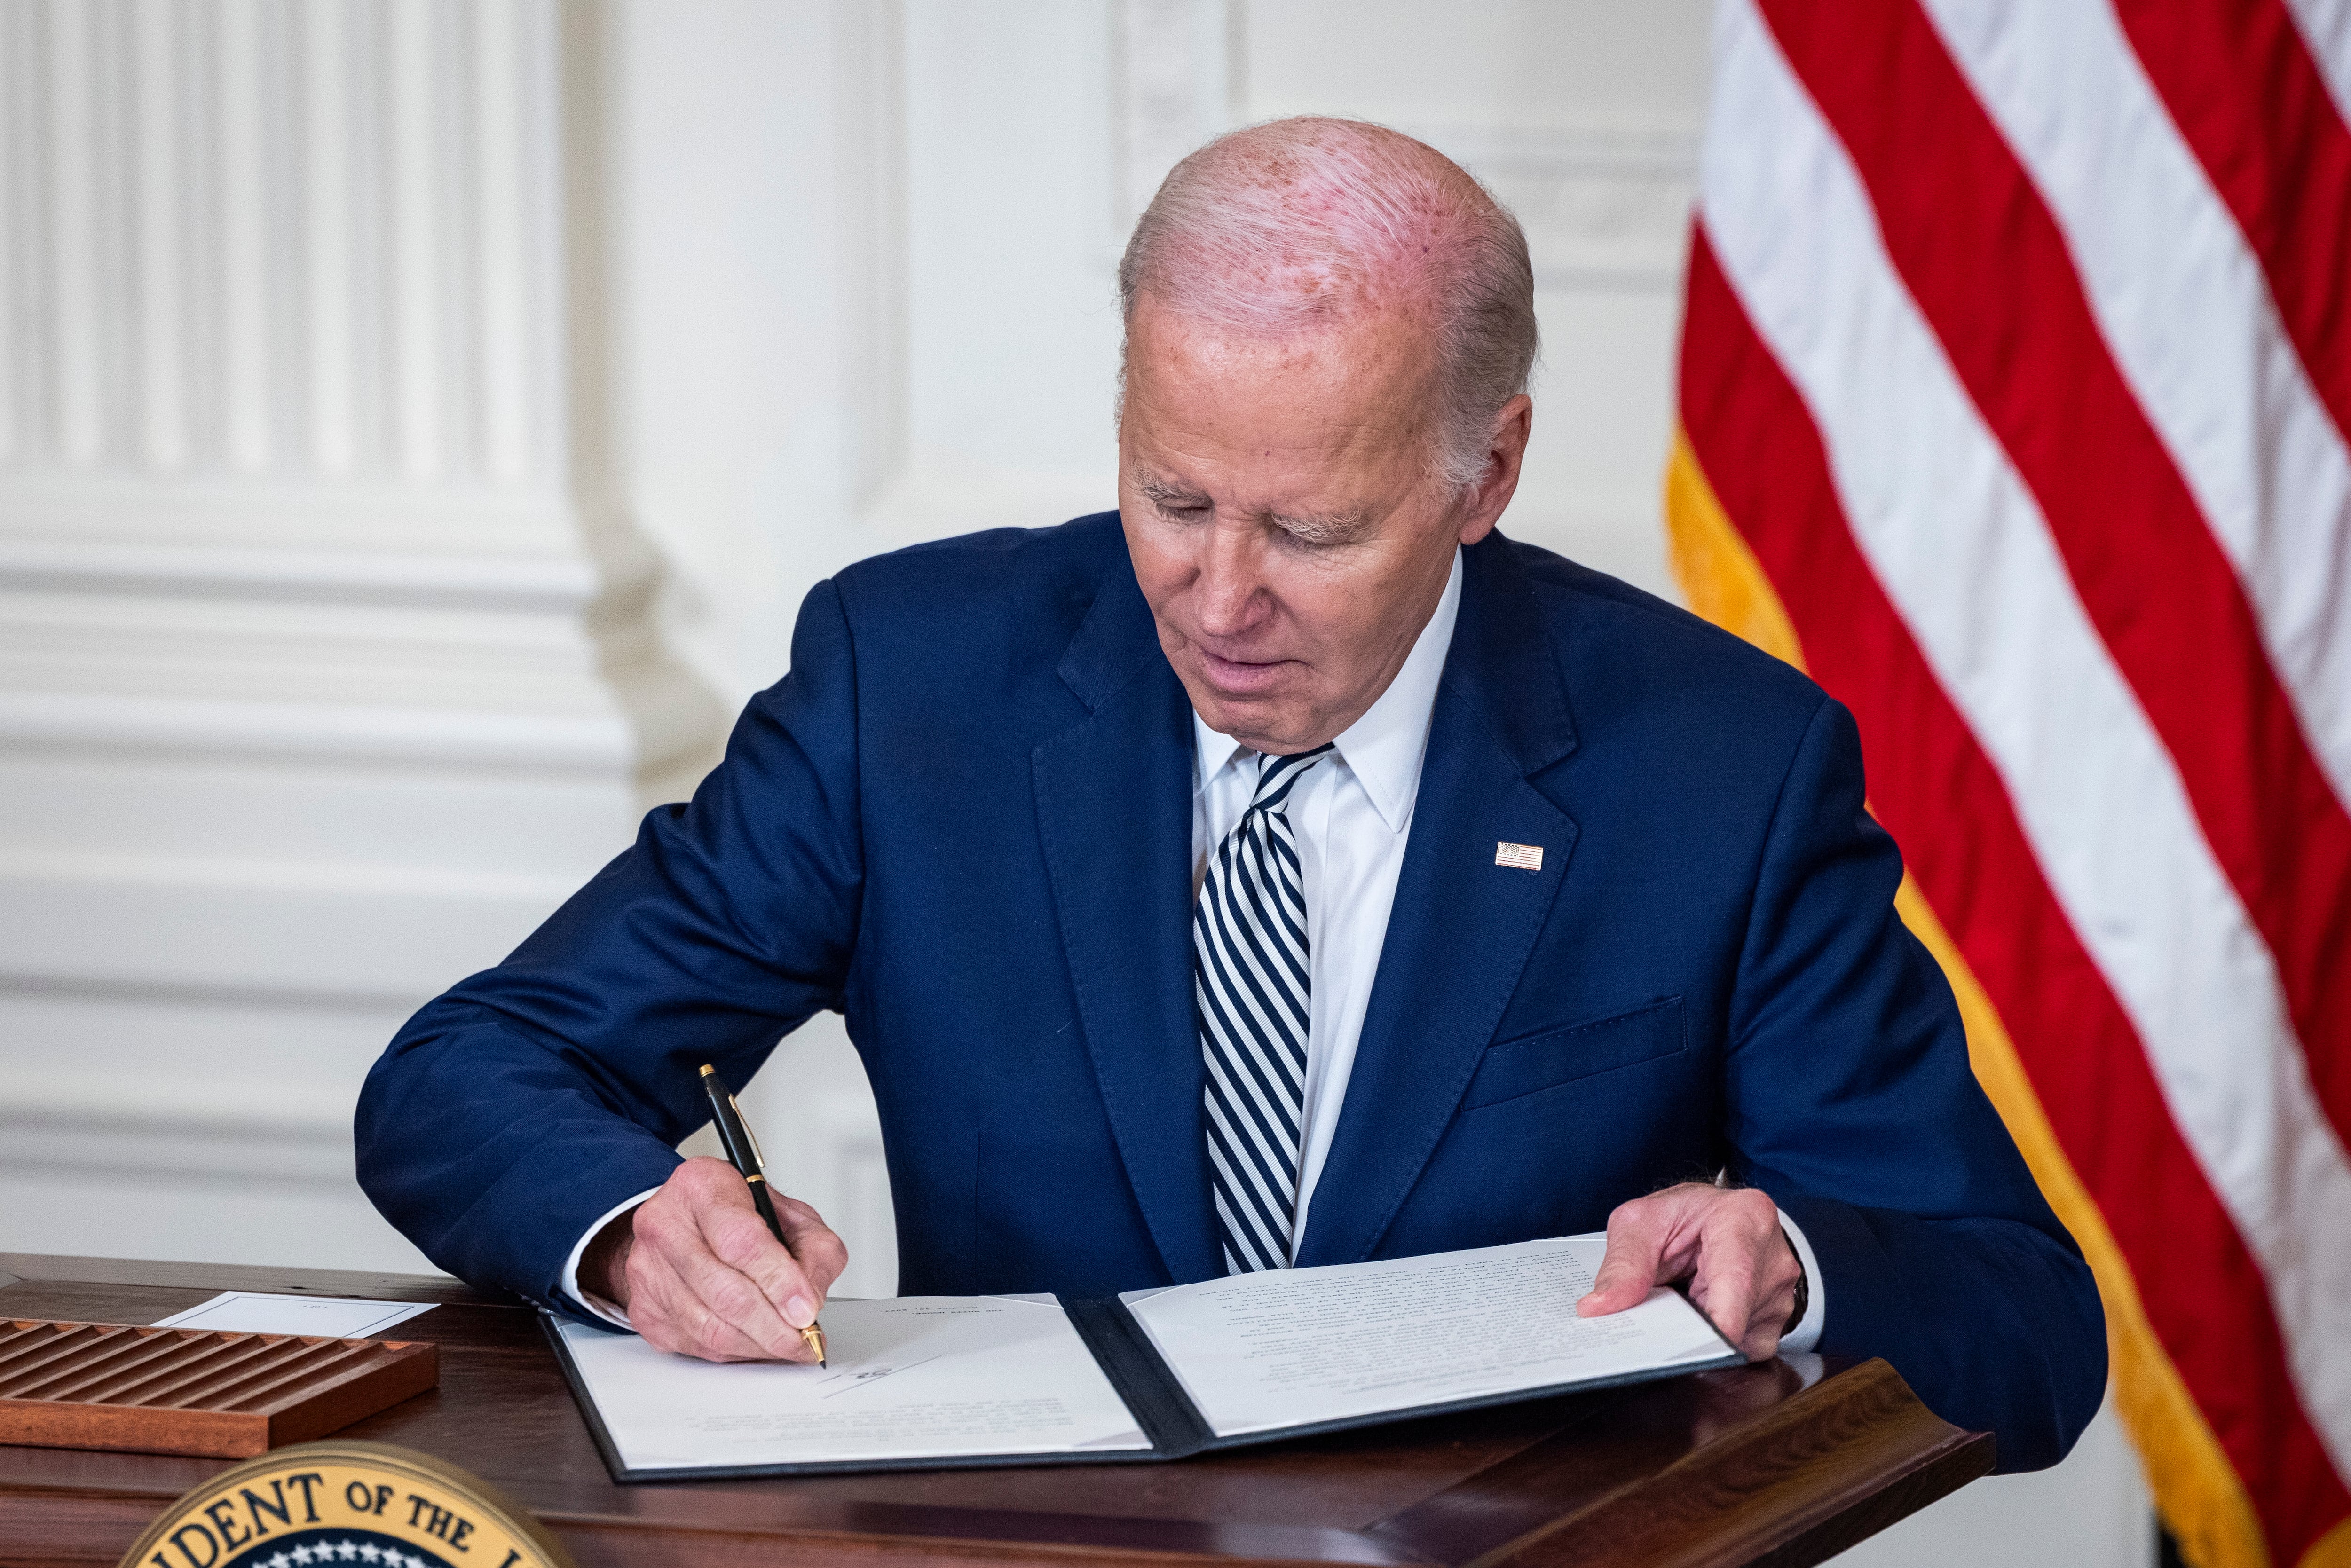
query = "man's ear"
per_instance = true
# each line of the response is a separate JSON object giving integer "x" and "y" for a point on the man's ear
{"x": 1505, "y": 453}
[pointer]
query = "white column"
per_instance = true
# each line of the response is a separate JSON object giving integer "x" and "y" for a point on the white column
{"x": 327, "y": 667}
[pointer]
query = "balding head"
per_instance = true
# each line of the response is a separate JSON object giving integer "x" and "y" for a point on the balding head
{"x": 1299, "y": 225}
{"x": 1328, "y": 329}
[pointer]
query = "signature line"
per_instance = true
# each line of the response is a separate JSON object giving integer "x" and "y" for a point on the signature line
{"x": 865, "y": 1377}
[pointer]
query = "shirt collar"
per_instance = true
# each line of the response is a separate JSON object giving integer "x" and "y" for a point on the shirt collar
{"x": 1383, "y": 748}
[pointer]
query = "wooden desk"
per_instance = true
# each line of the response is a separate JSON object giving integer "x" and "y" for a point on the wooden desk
{"x": 1775, "y": 1464}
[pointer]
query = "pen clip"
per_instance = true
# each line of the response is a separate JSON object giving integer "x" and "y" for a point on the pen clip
{"x": 758, "y": 1156}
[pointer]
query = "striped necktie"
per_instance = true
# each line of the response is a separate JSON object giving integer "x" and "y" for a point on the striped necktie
{"x": 1249, "y": 980}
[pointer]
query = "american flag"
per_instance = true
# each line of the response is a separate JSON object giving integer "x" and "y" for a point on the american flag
{"x": 2014, "y": 393}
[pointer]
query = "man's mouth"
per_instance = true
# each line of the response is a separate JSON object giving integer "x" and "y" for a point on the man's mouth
{"x": 1241, "y": 678}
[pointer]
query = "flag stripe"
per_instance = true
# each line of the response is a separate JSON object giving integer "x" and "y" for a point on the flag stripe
{"x": 2183, "y": 304}
{"x": 2241, "y": 86}
{"x": 1968, "y": 560}
{"x": 2203, "y": 1502}
{"x": 2326, "y": 29}
{"x": 1938, "y": 792}
{"x": 1967, "y": 235}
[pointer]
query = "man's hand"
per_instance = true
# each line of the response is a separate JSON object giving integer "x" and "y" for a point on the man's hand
{"x": 698, "y": 1273}
{"x": 1727, "y": 1242}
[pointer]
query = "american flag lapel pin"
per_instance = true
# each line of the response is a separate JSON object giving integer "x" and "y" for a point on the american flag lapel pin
{"x": 1519, "y": 857}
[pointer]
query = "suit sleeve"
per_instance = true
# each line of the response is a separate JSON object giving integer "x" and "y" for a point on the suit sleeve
{"x": 1850, "y": 1101}
{"x": 526, "y": 1100}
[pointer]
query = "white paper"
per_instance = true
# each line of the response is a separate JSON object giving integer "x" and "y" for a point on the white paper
{"x": 913, "y": 1377}
{"x": 334, "y": 1317}
{"x": 1291, "y": 1347}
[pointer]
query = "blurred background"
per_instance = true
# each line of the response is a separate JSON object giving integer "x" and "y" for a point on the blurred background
{"x": 420, "y": 419}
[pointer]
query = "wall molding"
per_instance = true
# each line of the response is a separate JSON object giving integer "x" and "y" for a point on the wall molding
{"x": 58, "y": 1135}
{"x": 238, "y": 1158}
{"x": 53, "y": 1130}
{"x": 21, "y": 984}
{"x": 541, "y": 584}
{"x": 365, "y": 935}
{"x": 526, "y": 660}
{"x": 132, "y": 511}
{"x": 1177, "y": 78}
{"x": 1604, "y": 209}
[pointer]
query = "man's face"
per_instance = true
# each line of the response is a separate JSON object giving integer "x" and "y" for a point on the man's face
{"x": 1282, "y": 516}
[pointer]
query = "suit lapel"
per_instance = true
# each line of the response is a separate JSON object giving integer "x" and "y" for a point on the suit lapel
{"x": 1115, "y": 809}
{"x": 1462, "y": 926}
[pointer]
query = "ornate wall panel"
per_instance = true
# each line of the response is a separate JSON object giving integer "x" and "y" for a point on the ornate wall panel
{"x": 326, "y": 664}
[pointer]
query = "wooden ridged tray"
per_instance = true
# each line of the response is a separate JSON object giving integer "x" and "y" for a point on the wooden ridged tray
{"x": 192, "y": 1391}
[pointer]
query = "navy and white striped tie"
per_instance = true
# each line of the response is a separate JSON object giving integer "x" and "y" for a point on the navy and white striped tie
{"x": 1250, "y": 979}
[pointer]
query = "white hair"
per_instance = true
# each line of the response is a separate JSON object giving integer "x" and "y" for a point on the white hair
{"x": 1294, "y": 223}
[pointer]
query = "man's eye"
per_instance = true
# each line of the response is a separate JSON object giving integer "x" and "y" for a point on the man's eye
{"x": 1185, "y": 511}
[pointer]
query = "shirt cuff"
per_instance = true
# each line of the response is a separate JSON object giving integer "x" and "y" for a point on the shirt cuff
{"x": 1806, "y": 1334}
{"x": 617, "y": 1315}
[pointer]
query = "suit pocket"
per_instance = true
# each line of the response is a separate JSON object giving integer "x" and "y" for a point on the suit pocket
{"x": 1534, "y": 1062}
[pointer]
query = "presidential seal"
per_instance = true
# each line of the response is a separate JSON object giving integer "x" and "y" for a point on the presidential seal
{"x": 322, "y": 1505}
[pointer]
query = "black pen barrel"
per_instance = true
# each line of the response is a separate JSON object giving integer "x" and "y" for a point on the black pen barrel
{"x": 732, "y": 1133}
{"x": 767, "y": 1208}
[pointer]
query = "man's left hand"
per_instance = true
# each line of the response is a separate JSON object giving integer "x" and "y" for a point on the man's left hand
{"x": 1726, "y": 1241}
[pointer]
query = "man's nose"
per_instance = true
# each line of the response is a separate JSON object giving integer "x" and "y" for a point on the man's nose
{"x": 1229, "y": 598}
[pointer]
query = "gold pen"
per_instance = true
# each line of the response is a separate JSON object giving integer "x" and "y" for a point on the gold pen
{"x": 743, "y": 1153}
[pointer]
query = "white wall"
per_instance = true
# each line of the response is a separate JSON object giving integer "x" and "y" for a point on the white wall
{"x": 423, "y": 422}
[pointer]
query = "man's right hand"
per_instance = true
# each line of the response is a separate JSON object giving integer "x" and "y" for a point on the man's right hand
{"x": 697, "y": 1272}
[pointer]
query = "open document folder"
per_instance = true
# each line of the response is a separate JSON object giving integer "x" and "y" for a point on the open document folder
{"x": 924, "y": 1382}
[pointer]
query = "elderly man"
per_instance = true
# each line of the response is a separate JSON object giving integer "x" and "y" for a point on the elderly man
{"x": 1286, "y": 869}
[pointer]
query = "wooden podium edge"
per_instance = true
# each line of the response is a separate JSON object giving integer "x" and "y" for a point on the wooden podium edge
{"x": 1827, "y": 1467}
{"x": 1822, "y": 1471}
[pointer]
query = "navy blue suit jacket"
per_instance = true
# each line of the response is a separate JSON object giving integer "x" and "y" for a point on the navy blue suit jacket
{"x": 963, "y": 819}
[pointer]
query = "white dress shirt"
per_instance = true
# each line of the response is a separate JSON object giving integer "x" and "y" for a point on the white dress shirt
{"x": 1349, "y": 815}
